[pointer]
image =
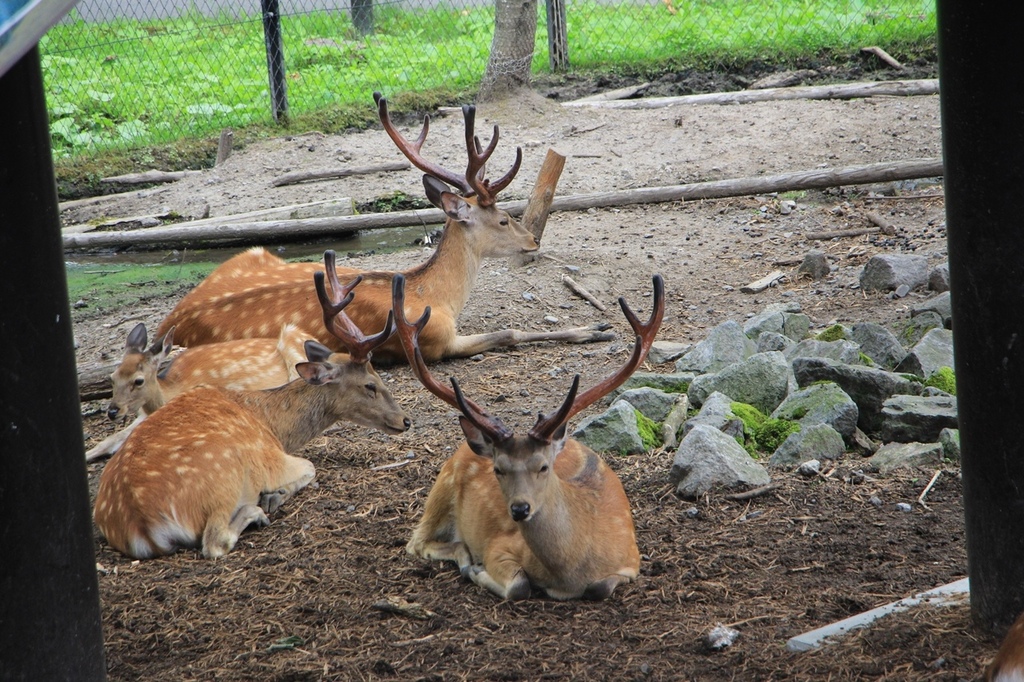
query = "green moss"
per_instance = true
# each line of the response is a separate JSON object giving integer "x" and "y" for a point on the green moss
{"x": 867, "y": 361}
{"x": 750, "y": 416}
{"x": 772, "y": 432}
{"x": 944, "y": 379}
{"x": 650, "y": 434}
{"x": 833, "y": 333}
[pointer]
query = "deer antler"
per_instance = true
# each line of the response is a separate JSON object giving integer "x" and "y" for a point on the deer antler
{"x": 338, "y": 323}
{"x": 474, "y": 181}
{"x": 545, "y": 427}
{"x": 409, "y": 333}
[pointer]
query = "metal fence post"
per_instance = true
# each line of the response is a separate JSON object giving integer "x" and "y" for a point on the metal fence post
{"x": 275, "y": 59}
{"x": 558, "y": 35}
{"x": 362, "y": 16}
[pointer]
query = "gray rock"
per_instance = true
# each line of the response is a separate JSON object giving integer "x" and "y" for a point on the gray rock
{"x": 723, "y": 346}
{"x": 667, "y": 351}
{"x": 893, "y": 456}
{"x": 815, "y": 442}
{"x": 815, "y": 265}
{"x": 669, "y": 383}
{"x": 887, "y": 272}
{"x": 717, "y": 412}
{"x": 780, "y": 318}
{"x": 918, "y": 326}
{"x": 920, "y": 419}
{"x": 933, "y": 351}
{"x": 823, "y": 403}
{"x": 868, "y": 387}
{"x": 810, "y": 468}
{"x": 651, "y": 402}
{"x": 614, "y": 430}
{"x": 841, "y": 351}
{"x": 949, "y": 439}
{"x": 878, "y": 343}
{"x": 768, "y": 341}
{"x": 708, "y": 458}
{"x": 938, "y": 278}
{"x": 762, "y": 380}
{"x": 941, "y": 304}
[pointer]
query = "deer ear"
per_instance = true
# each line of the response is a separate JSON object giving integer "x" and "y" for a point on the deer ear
{"x": 316, "y": 351}
{"x": 478, "y": 441}
{"x": 136, "y": 338}
{"x": 317, "y": 373}
{"x": 162, "y": 347}
{"x": 441, "y": 195}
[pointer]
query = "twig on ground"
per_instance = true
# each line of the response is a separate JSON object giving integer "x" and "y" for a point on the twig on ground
{"x": 920, "y": 499}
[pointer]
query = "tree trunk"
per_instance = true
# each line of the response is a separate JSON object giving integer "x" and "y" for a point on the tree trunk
{"x": 508, "y": 69}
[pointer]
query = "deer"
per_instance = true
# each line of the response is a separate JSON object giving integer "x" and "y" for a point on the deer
{"x": 541, "y": 510}
{"x": 1008, "y": 665}
{"x": 212, "y": 462}
{"x": 141, "y": 388}
{"x": 273, "y": 292}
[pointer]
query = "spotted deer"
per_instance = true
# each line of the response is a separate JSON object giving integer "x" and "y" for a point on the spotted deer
{"x": 1008, "y": 665}
{"x": 272, "y": 292}
{"x": 140, "y": 387}
{"x": 212, "y": 462}
{"x": 539, "y": 510}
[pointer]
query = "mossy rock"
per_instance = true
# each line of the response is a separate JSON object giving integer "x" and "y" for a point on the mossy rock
{"x": 749, "y": 415}
{"x": 834, "y": 333}
{"x": 649, "y": 431}
{"x": 943, "y": 379}
{"x": 773, "y": 432}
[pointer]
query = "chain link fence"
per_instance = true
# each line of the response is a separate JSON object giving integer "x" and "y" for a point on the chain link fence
{"x": 129, "y": 74}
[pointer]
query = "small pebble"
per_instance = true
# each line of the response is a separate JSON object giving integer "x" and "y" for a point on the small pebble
{"x": 551, "y": 319}
{"x": 527, "y": 296}
{"x": 875, "y": 500}
{"x": 809, "y": 468}
{"x": 692, "y": 513}
{"x": 903, "y": 506}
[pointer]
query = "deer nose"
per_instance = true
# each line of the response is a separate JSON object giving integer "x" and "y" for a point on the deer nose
{"x": 519, "y": 510}
{"x": 407, "y": 422}
{"x": 113, "y": 411}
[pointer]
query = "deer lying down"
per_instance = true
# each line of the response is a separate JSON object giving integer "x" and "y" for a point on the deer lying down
{"x": 538, "y": 510}
{"x": 1008, "y": 665}
{"x": 139, "y": 387}
{"x": 212, "y": 462}
{"x": 270, "y": 292}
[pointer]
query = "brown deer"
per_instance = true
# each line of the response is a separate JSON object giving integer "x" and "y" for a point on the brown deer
{"x": 538, "y": 510}
{"x": 212, "y": 462}
{"x": 272, "y": 292}
{"x": 1008, "y": 665}
{"x": 139, "y": 386}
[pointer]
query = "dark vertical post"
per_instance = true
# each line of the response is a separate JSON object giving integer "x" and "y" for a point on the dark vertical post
{"x": 50, "y": 627}
{"x": 558, "y": 35}
{"x": 362, "y": 16}
{"x": 983, "y": 158}
{"x": 275, "y": 59}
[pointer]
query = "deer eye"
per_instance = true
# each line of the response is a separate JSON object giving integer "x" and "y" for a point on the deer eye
{"x": 544, "y": 469}
{"x": 498, "y": 472}
{"x": 503, "y": 223}
{"x": 140, "y": 381}
{"x": 371, "y": 389}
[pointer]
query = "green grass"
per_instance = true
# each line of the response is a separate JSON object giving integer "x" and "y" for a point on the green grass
{"x": 97, "y": 289}
{"x": 135, "y": 84}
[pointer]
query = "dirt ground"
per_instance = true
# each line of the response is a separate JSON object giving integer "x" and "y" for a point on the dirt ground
{"x": 297, "y": 600}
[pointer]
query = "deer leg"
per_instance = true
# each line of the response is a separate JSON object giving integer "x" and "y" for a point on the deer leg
{"x": 112, "y": 444}
{"x": 602, "y": 589}
{"x": 508, "y": 580}
{"x": 465, "y": 346}
{"x": 222, "y": 533}
{"x": 297, "y": 474}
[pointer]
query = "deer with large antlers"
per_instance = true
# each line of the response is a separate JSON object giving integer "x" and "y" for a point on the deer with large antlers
{"x": 541, "y": 510}
{"x": 272, "y": 292}
{"x": 212, "y": 462}
{"x": 141, "y": 387}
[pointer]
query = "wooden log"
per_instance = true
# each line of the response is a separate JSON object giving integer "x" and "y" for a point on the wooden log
{"x": 149, "y": 176}
{"x": 89, "y": 201}
{"x": 574, "y": 287}
{"x": 314, "y": 209}
{"x": 610, "y": 95}
{"x": 94, "y": 381}
{"x": 844, "y": 91}
{"x": 334, "y": 173}
{"x": 284, "y": 230}
{"x": 538, "y": 206}
{"x": 227, "y": 137}
{"x": 838, "y": 234}
{"x": 760, "y": 285}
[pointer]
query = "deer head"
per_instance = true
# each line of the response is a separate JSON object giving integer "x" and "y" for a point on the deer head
{"x": 474, "y": 207}
{"x": 135, "y": 382}
{"x": 524, "y": 464}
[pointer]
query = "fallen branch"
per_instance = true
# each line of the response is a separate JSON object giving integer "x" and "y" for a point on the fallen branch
{"x": 620, "y": 93}
{"x": 333, "y": 173}
{"x": 846, "y": 91}
{"x": 538, "y": 207}
{"x": 284, "y": 230}
{"x": 883, "y": 55}
{"x": 924, "y": 493}
{"x": 835, "y": 234}
{"x": 882, "y": 222}
{"x": 149, "y": 176}
{"x": 751, "y": 494}
{"x": 760, "y": 285}
{"x": 89, "y": 201}
{"x": 582, "y": 293}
